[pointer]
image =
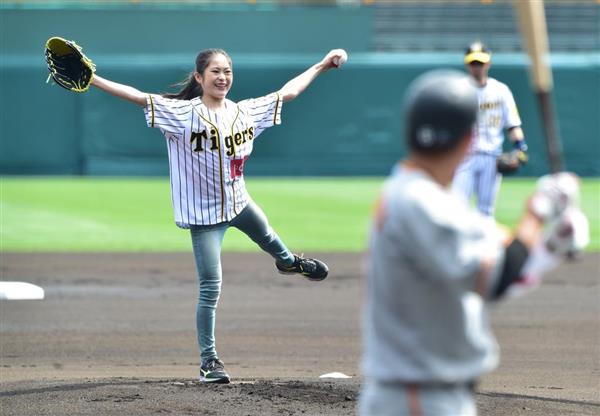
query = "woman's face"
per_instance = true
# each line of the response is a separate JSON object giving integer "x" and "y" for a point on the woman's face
{"x": 217, "y": 78}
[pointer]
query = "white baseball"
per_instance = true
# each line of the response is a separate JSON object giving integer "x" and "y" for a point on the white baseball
{"x": 340, "y": 60}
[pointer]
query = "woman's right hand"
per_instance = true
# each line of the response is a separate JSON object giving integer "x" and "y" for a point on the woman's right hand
{"x": 334, "y": 59}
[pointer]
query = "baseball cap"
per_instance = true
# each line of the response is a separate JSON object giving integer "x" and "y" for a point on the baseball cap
{"x": 477, "y": 52}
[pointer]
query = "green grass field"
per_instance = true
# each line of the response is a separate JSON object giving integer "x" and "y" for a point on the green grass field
{"x": 134, "y": 214}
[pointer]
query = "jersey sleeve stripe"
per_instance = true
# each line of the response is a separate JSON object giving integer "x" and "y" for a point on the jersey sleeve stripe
{"x": 152, "y": 109}
{"x": 277, "y": 115}
{"x": 265, "y": 121}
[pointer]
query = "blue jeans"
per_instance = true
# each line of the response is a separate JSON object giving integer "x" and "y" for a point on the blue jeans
{"x": 207, "y": 241}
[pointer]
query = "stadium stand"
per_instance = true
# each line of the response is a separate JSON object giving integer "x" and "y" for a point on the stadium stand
{"x": 442, "y": 26}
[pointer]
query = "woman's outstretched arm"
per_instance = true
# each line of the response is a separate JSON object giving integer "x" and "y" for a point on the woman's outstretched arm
{"x": 295, "y": 86}
{"x": 125, "y": 92}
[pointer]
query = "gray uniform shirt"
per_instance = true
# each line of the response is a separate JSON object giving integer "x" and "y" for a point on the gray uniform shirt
{"x": 424, "y": 322}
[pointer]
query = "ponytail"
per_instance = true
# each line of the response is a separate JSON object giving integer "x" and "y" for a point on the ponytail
{"x": 191, "y": 87}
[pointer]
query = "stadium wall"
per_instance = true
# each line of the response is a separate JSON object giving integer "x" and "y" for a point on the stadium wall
{"x": 346, "y": 123}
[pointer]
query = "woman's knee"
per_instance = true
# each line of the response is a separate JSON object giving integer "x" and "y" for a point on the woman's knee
{"x": 209, "y": 283}
{"x": 209, "y": 298}
{"x": 209, "y": 291}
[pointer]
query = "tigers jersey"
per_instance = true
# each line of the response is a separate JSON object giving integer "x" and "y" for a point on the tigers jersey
{"x": 207, "y": 150}
{"x": 497, "y": 112}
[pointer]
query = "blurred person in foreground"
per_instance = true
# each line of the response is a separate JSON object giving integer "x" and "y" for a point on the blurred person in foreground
{"x": 435, "y": 261}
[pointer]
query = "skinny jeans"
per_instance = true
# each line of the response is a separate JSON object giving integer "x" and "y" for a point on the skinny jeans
{"x": 207, "y": 241}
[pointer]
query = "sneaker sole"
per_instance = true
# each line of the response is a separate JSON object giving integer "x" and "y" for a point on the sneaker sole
{"x": 313, "y": 279}
{"x": 222, "y": 380}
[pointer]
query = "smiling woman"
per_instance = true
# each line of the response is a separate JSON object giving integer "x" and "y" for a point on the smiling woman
{"x": 208, "y": 140}
{"x": 211, "y": 83}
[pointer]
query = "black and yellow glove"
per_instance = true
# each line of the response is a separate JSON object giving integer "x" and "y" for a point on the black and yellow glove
{"x": 68, "y": 65}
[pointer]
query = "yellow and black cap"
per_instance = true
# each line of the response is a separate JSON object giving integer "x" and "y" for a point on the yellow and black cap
{"x": 477, "y": 52}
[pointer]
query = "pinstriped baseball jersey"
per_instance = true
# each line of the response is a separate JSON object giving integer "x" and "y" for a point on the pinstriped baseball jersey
{"x": 207, "y": 150}
{"x": 497, "y": 111}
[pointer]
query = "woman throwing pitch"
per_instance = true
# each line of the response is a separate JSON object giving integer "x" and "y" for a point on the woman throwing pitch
{"x": 209, "y": 138}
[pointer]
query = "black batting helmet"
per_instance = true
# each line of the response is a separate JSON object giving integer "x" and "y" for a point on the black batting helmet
{"x": 440, "y": 108}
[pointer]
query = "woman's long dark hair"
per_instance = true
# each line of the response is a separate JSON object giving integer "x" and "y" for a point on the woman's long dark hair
{"x": 191, "y": 88}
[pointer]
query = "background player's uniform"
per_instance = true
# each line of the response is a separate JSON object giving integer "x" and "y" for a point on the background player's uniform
{"x": 207, "y": 150}
{"x": 426, "y": 332}
{"x": 477, "y": 173}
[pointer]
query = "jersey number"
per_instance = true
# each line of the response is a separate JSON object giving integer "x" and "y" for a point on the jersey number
{"x": 494, "y": 121}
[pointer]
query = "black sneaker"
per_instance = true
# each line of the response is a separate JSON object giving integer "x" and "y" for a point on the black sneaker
{"x": 312, "y": 269}
{"x": 213, "y": 371}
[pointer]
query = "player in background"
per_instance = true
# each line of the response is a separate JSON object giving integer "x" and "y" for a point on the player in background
{"x": 208, "y": 139}
{"x": 434, "y": 262}
{"x": 497, "y": 114}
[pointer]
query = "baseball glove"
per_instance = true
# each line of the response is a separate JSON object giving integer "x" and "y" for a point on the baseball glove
{"x": 68, "y": 65}
{"x": 510, "y": 162}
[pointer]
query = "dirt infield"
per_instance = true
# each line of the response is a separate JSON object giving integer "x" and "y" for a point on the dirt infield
{"x": 115, "y": 336}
